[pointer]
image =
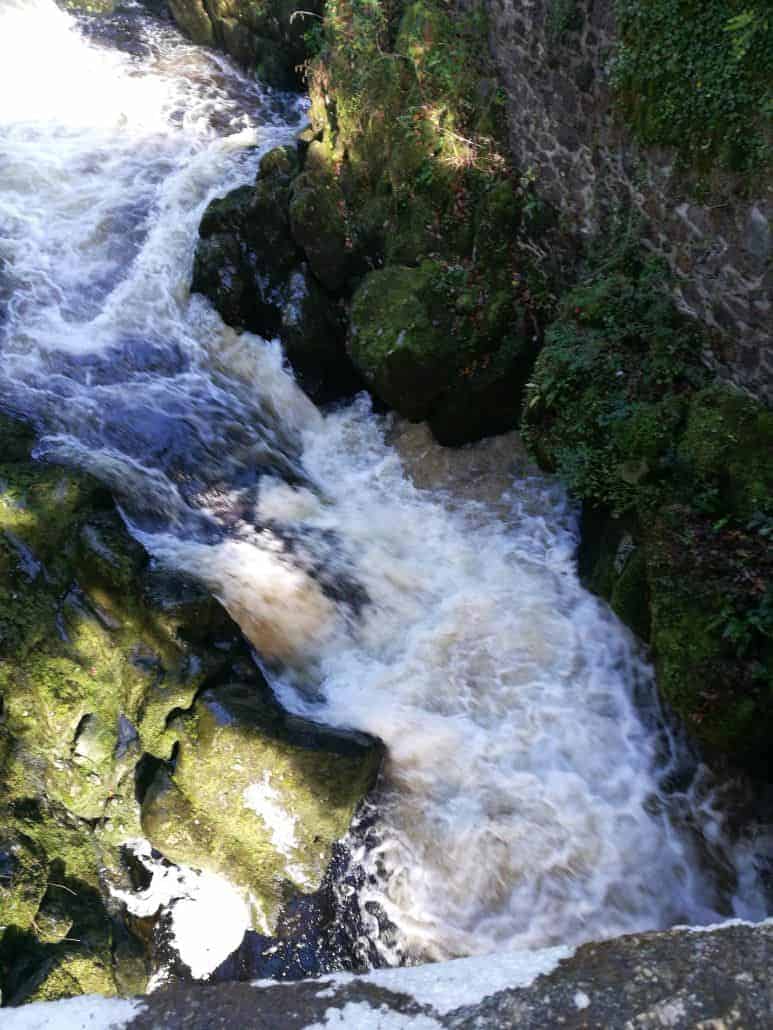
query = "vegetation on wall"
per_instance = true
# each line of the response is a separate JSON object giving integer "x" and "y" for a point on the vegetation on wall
{"x": 677, "y": 483}
{"x": 696, "y": 75}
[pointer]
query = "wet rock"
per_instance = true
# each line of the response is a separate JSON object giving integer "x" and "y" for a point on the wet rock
{"x": 313, "y": 334}
{"x": 267, "y": 39}
{"x": 252, "y": 265}
{"x": 417, "y": 340}
{"x": 256, "y": 797}
{"x": 193, "y": 18}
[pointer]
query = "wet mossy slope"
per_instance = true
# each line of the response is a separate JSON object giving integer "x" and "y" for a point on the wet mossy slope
{"x": 122, "y": 690}
{"x": 676, "y": 477}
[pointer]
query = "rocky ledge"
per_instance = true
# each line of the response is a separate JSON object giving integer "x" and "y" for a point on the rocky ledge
{"x": 682, "y": 978}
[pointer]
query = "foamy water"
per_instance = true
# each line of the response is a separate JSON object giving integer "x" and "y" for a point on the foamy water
{"x": 429, "y": 599}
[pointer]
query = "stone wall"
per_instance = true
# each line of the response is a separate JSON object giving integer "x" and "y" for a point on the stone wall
{"x": 564, "y": 130}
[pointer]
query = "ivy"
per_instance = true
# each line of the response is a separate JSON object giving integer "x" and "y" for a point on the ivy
{"x": 696, "y": 75}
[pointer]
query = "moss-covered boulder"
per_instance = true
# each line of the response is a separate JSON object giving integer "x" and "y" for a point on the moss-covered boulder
{"x": 256, "y": 797}
{"x": 267, "y": 37}
{"x": 434, "y": 344}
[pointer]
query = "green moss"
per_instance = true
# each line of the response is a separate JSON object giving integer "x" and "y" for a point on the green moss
{"x": 618, "y": 405}
{"x": 393, "y": 342}
{"x": 74, "y": 975}
{"x": 249, "y": 802}
{"x": 695, "y": 75}
{"x": 318, "y": 220}
{"x": 728, "y": 442}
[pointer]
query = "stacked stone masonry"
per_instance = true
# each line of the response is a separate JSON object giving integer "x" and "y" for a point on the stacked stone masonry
{"x": 566, "y": 132}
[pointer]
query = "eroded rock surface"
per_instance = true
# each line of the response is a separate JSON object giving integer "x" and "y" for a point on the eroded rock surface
{"x": 682, "y": 979}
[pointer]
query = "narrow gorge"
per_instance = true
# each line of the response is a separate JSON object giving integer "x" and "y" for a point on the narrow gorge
{"x": 386, "y": 505}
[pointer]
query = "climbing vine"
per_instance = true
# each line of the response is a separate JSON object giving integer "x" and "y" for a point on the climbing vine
{"x": 696, "y": 75}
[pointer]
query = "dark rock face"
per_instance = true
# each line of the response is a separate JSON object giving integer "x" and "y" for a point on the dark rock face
{"x": 270, "y": 263}
{"x": 681, "y": 979}
{"x": 264, "y": 37}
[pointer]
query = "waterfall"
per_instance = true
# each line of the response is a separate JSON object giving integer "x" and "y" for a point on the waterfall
{"x": 428, "y": 598}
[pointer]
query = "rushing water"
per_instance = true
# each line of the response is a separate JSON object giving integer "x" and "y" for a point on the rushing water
{"x": 429, "y": 598}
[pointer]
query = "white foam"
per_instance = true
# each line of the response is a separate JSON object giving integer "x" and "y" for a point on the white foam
{"x": 208, "y": 915}
{"x": 445, "y": 986}
{"x": 359, "y": 1015}
{"x": 88, "y": 1012}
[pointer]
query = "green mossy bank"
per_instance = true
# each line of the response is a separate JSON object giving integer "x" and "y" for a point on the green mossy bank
{"x": 396, "y": 239}
{"x": 125, "y": 694}
{"x": 676, "y": 477}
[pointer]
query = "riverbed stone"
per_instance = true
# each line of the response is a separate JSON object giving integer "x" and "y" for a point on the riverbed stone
{"x": 256, "y": 798}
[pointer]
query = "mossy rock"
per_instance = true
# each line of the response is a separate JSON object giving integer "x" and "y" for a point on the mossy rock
{"x": 267, "y": 37}
{"x": 253, "y": 799}
{"x": 94, "y": 656}
{"x": 318, "y": 223}
{"x": 403, "y": 357}
{"x": 313, "y": 334}
{"x": 257, "y": 275}
{"x": 424, "y": 347}
{"x": 728, "y": 442}
{"x": 193, "y": 18}
{"x": 246, "y": 253}
{"x": 713, "y": 657}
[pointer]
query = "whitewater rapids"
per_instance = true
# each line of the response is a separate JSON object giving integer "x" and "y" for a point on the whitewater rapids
{"x": 429, "y": 599}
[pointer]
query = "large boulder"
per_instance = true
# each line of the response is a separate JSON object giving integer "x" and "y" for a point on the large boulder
{"x": 256, "y": 797}
{"x": 435, "y": 345}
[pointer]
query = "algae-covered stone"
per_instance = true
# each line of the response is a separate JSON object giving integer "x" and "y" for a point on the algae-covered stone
{"x": 318, "y": 223}
{"x": 434, "y": 345}
{"x": 256, "y": 797}
{"x": 401, "y": 354}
